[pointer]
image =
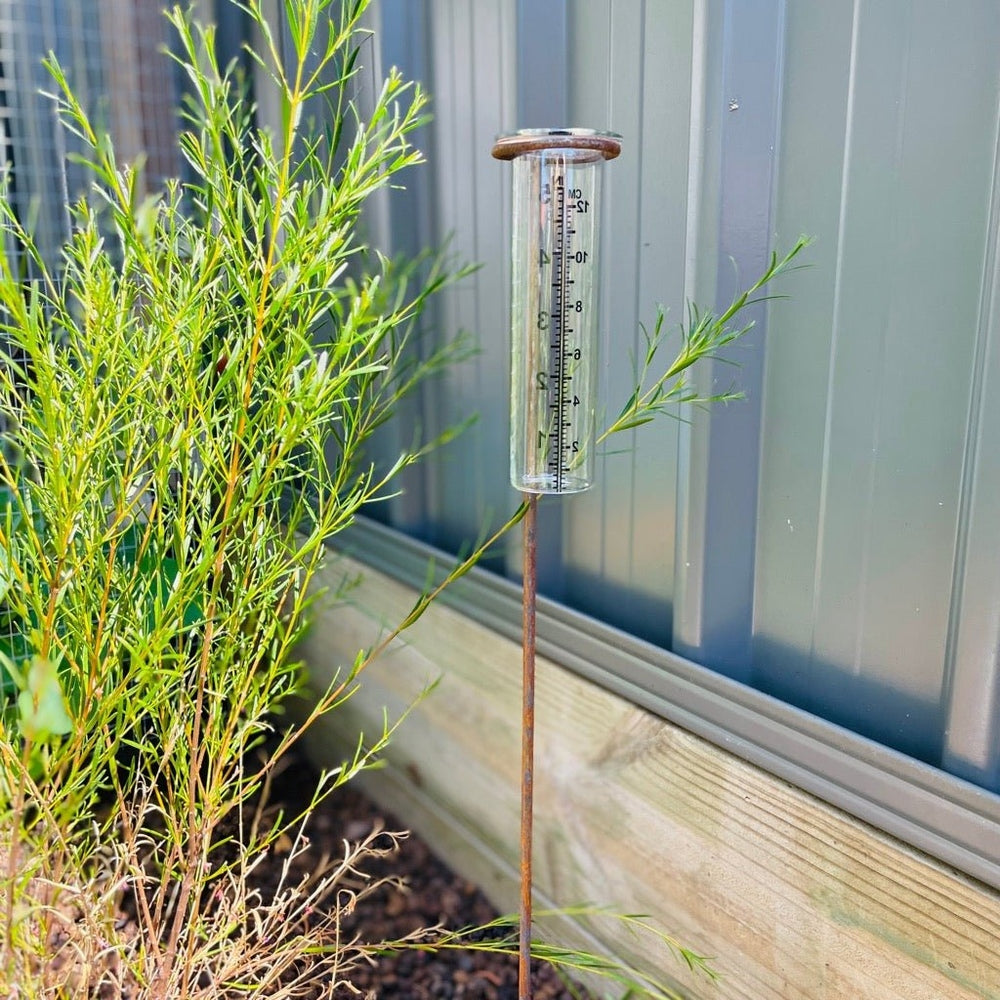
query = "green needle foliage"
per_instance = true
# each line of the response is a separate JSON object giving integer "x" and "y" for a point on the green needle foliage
{"x": 660, "y": 390}
{"x": 701, "y": 339}
{"x": 500, "y": 936}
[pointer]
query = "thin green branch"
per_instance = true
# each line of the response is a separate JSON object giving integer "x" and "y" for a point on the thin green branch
{"x": 701, "y": 339}
{"x": 499, "y": 936}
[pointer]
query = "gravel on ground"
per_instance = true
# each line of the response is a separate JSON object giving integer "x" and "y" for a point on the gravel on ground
{"x": 433, "y": 894}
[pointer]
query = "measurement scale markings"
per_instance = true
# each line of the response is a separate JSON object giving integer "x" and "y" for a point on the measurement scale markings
{"x": 565, "y": 232}
{"x": 558, "y": 330}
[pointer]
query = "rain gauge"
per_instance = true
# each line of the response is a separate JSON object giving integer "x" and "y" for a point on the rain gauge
{"x": 553, "y": 371}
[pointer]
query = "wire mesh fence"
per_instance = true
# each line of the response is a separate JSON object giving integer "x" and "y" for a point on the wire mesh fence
{"x": 112, "y": 51}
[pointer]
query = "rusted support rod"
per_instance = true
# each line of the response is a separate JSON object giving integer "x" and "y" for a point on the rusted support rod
{"x": 529, "y": 592}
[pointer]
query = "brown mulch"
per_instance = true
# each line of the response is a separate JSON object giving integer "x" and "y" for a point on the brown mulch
{"x": 434, "y": 894}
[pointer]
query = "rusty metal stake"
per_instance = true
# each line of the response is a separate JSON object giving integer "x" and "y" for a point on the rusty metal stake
{"x": 529, "y": 589}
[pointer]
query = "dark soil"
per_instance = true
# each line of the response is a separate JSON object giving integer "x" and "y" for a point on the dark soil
{"x": 433, "y": 895}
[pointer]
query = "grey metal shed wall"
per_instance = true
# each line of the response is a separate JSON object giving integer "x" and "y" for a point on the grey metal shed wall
{"x": 832, "y": 539}
{"x": 877, "y": 438}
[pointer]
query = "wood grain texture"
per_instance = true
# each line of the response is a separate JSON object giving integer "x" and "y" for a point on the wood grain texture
{"x": 795, "y": 899}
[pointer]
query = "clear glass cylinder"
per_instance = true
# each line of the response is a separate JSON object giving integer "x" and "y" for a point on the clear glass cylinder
{"x": 554, "y": 306}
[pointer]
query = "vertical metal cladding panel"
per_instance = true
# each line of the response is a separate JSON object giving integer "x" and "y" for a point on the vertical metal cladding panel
{"x": 630, "y": 69}
{"x": 871, "y": 366}
{"x": 662, "y": 254}
{"x": 719, "y": 467}
{"x": 474, "y": 72}
{"x": 811, "y": 171}
{"x": 972, "y": 730}
{"x": 464, "y": 56}
{"x": 542, "y": 42}
{"x": 399, "y": 220}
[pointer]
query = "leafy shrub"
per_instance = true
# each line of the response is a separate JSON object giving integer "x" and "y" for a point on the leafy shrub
{"x": 187, "y": 395}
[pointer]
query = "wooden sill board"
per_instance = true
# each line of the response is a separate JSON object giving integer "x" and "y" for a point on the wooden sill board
{"x": 794, "y": 899}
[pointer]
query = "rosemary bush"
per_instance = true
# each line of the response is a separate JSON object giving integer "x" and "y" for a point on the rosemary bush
{"x": 186, "y": 397}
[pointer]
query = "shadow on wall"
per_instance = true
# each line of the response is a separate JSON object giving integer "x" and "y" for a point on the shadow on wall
{"x": 870, "y": 707}
{"x": 644, "y": 615}
{"x": 863, "y": 704}
{"x": 867, "y": 706}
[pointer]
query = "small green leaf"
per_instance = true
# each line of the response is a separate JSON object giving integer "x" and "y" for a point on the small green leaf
{"x": 41, "y": 704}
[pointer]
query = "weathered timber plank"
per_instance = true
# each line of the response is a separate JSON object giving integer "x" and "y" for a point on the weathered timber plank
{"x": 794, "y": 898}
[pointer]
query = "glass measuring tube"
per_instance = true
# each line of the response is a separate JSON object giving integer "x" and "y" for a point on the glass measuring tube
{"x": 554, "y": 308}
